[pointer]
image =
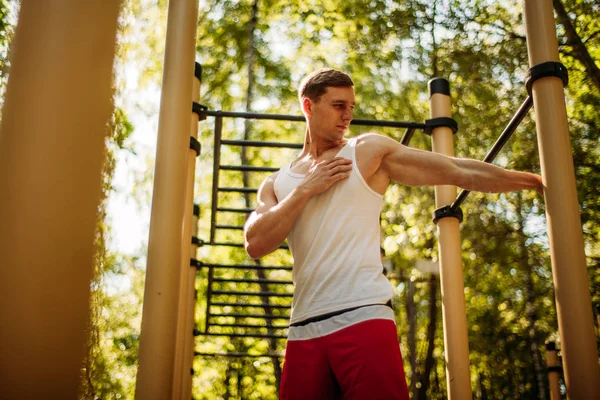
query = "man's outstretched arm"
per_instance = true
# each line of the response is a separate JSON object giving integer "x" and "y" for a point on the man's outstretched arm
{"x": 419, "y": 168}
{"x": 271, "y": 222}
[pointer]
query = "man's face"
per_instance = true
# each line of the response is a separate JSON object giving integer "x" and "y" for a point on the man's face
{"x": 330, "y": 116}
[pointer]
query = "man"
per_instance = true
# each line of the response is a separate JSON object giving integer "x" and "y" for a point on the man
{"x": 342, "y": 341}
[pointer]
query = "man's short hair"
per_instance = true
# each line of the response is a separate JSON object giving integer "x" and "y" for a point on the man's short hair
{"x": 315, "y": 85}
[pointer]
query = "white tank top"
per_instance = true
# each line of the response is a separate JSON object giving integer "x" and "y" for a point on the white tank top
{"x": 335, "y": 243}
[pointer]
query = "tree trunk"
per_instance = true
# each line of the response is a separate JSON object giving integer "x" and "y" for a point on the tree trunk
{"x": 251, "y": 60}
{"x": 579, "y": 50}
{"x": 434, "y": 53}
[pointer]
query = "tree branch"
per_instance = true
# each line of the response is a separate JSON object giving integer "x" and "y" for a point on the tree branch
{"x": 579, "y": 50}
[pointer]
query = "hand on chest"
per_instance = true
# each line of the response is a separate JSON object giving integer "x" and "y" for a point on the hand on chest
{"x": 364, "y": 159}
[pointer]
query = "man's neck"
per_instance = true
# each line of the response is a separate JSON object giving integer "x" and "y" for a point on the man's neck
{"x": 314, "y": 146}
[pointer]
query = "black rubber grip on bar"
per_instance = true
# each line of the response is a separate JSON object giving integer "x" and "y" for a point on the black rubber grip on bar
{"x": 197, "y": 241}
{"x": 439, "y": 85}
{"x": 431, "y": 124}
{"x": 200, "y": 110}
{"x": 195, "y": 145}
{"x": 196, "y": 210}
{"x": 447, "y": 211}
{"x": 551, "y": 346}
{"x": 198, "y": 71}
{"x": 543, "y": 70}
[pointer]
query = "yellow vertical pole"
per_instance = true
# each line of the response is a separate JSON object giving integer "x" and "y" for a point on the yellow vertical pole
{"x": 553, "y": 371}
{"x": 573, "y": 302}
{"x": 188, "y": 366}
{"x": 456, "y": 345}
{"x": 159, "y": 318}
{"x": 54, "y": 122}
{"x": 185, "y": 330}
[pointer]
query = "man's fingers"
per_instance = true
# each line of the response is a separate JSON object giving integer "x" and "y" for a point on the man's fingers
{"x": 337, "y": 161}
{"x": 341, "y": 168}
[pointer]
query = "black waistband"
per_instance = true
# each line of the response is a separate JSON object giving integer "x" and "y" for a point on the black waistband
{"x": 335, "y": 313}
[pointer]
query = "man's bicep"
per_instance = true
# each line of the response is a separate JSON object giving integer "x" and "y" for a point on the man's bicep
{"x": 266, "y": 197}
{"x": 416, "y": 167}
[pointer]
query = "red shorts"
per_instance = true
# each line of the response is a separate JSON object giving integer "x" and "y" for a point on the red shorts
{"x": 359, "y": 362}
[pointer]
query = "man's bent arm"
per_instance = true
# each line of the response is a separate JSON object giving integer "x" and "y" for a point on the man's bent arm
{"x": 271, "y": 222}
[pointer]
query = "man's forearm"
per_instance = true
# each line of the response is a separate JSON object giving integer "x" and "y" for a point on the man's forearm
{"x": 264, "y": 232}
{"x": 484, "y": 177}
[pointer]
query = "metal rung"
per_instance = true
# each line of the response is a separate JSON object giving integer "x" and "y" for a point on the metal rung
{"x": 235, "y": 210}
{"x": 230, "y": 244}
{"x": 231, "y": 227}
{"x": 250, "y": 326}
{"x": 268, "y": 355}
{"x": 219, "y": 114}
{"x": 248, "y": 168}
{"x": 244, "y": 280}
{"x": 244, "y": 266}
{"x": 258, "y": 336}
{"x": 237, "y": 190}
{"x": 232, "y": 293}
{"x": 246, "y": 305}
{"x": 259, "y": 143}
{"x": 265, "y": 316}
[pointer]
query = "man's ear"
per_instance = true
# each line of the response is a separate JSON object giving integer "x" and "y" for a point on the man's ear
{"x": 306, "y": 106}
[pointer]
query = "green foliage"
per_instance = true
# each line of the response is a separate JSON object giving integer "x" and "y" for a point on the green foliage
{"x": 6, "y": 33}
{"x": 113, "y": 343}
{"x": 111, "y": 362}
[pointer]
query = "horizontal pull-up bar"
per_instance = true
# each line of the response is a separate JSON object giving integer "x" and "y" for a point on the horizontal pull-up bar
{"x": 300, "y": 118}
{"x": 502, "y": 139}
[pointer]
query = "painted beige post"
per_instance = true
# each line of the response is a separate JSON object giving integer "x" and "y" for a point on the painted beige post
{"x": 183, "y": 363}
{"x": 190, "y": 340}
{"x": 573, "y": 302}
{"x": 553, "y": 374}
{"x": 159, "y": 319}
{"x": 54, "y": 123}
{"x": 456, "y": 345}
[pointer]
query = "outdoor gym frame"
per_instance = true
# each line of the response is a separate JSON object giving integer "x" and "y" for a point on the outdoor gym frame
{"x": 45, "y": 293}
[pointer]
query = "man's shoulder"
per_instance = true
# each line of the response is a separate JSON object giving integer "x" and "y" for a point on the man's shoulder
{"x": 372, "y": 142}
{"x": 371, "y": 139}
